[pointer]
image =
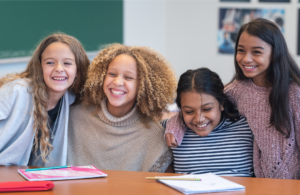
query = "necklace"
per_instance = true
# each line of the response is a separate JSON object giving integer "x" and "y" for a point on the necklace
{"x": 53, "y": 130}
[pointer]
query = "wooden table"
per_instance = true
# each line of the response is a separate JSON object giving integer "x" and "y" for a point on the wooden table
{"x": 134, "y": 183}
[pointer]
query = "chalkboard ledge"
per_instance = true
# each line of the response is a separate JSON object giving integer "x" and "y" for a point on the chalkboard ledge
{"x": 90, "y": 55}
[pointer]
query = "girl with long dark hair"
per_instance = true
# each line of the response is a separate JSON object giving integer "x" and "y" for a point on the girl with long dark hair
{"x": 265, "y": 89}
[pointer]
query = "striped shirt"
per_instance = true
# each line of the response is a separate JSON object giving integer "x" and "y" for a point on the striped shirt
{"x": 227, "y": 150}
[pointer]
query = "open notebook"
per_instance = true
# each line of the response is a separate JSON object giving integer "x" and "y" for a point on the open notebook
{"x": 209, "y": 183}
{"x": 76, "y": 172}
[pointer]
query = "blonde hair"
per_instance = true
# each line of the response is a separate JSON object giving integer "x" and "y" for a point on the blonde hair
{"x": 34, "y": 72}
{"x": 157, "y": 81}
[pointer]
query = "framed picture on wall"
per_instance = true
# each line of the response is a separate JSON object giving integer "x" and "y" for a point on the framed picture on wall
{"x": 275, "y": 1}
{"x": 231, "y": 19}
{"x": 235, "y": 0}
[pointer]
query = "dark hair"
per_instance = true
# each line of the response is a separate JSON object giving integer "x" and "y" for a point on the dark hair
{"x": 281, "y": 72}
{"x": 203, "y": 80}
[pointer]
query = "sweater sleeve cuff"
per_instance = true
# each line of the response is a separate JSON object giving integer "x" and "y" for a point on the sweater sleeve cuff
{"x": 176, "y": 127}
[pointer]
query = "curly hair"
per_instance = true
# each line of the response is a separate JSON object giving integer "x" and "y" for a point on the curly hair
{"x": 156, "y": 78}
{"x": 34, "y": 72}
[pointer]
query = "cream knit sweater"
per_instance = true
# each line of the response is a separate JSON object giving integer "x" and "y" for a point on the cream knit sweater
{"x": 112, "y": 143}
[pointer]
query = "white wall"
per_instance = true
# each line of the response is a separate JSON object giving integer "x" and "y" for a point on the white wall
{"x": 189, "y": 35}
{"x": 185, "y": 31}
{"x": 12, "y": 68}
{"x": 144, "y": 24}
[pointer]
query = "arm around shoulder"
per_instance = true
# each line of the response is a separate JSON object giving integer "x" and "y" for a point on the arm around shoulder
{"x": 233, "y": 91}
{"x": 175, "y": 128}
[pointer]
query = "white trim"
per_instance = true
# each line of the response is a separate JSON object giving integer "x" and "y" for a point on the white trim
{"x": 90, "y": 55}
{"x": 14, "y": 60}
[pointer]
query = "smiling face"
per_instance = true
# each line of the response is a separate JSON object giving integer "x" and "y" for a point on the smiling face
{"x": 59, "y": 68}
{"x": 201, "y": 112}
{"x": 120, "y": 85}
{"x": 254, "y": 57}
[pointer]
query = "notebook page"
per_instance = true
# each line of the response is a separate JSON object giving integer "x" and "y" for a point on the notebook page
{"x": 209, "y": 183}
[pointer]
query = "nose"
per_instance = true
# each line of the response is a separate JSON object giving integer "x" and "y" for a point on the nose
{"x": 59, "y": 67}
{"x": 247, "y": 58}
{"x": 199, "y": 117}
{"x": 118, "y": 81}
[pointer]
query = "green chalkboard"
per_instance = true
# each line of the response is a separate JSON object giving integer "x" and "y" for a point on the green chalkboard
{"x": 23, "y": 24}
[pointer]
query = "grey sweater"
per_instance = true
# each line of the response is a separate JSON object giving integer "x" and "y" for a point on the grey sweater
{"x": 112, "y": 143}
{"x": 16, "y": 125}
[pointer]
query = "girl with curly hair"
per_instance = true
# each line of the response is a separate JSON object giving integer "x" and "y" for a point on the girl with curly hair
{"x": 116, "y": 127}
{"x": 34, "y": 104}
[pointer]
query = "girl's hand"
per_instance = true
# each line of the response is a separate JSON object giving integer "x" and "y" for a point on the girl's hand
{"x": 171, "y": 141}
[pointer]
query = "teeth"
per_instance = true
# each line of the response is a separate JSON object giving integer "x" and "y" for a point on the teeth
{"x": 249, "y": 67}
{"x": 118, "y": 92}
{"x": 202, "y": 125}
{"x": 59, "y": 79}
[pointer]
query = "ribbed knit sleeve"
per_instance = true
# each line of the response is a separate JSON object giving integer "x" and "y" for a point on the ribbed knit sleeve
{"x": 274, "y": 154}
{"x": 233, "y": 91}
{"x": 295, "y": 104}
{"x": 176, "y": 127}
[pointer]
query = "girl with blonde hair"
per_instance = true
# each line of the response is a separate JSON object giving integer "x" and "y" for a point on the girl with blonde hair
{"x": 116, "y": 127}
{"x": 34, "y": 104}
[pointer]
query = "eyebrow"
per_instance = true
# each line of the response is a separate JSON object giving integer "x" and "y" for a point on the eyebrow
{"x": 257, "y": 47}
{"x": 127, "y": 71}
{"x": 207, "y": 104}
{"x": 64, "y": 59}
{"x": 201, "y": 105}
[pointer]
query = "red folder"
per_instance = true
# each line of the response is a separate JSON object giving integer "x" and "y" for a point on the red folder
{"x": 15, "y": 186}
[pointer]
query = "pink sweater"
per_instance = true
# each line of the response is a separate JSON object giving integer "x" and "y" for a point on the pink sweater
{"x": 274, "y": 155}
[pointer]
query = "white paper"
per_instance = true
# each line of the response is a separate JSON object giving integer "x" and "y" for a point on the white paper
{"x": 209, "y": 183}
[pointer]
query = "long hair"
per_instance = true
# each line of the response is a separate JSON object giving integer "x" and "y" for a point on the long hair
{"x": 34, "y": 72}
{"x": 282, "y": 70}
{"x": 157, "y": 81}
{"x": 203, "y": 80}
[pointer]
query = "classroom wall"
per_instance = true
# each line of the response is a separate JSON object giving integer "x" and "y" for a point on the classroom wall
{"x": 189, "y": 34}
{"x": 186, "y": 32}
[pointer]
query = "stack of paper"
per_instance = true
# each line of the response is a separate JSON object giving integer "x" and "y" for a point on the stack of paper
{"x": 209, "y": 183}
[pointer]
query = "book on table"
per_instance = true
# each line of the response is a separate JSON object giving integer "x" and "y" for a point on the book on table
{"x": 209, "y": 183}
{"x": 74, "y": 172}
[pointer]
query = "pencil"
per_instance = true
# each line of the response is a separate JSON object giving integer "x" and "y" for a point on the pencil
{"x": 175, "y": 178}
{"x": 48, "y": 168}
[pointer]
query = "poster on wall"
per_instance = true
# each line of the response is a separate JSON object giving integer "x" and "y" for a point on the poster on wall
{"x": 231, "y": 19}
